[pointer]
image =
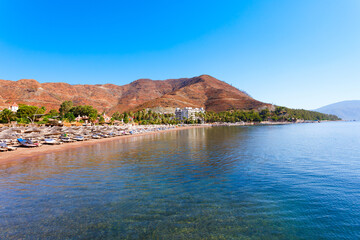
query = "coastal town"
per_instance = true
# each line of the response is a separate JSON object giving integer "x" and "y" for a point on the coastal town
{"x": 55, "y": 132}
{"x": 53, "y": 117}
{"x": 30, "y": 126}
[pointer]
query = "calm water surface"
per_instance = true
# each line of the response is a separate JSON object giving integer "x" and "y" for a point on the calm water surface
{"x": 259, "y": 182}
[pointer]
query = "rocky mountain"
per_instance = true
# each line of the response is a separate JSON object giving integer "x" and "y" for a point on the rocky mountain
{"x": 346, "y": 110}
{"x": 203, "y": 91}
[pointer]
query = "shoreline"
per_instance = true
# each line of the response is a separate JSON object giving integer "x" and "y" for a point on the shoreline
{"x": 23, "y": 153}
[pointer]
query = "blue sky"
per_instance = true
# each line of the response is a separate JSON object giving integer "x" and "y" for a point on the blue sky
{"x": 300, "y": 54}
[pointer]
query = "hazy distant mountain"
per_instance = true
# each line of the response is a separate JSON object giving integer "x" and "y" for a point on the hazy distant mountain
{"x": 203, "y": 91}
{"x": 346, "y": 110}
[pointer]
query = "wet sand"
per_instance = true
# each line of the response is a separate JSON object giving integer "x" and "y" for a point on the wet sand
{"x": 21, "y": 153}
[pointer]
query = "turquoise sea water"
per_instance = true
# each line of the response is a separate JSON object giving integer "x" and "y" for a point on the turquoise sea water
{"x": 256, "y": 182}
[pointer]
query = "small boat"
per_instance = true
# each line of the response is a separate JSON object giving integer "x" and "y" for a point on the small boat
{"x": 78, "y": 138}
{"x": 66, "y": 139}
{"x": 104, "y": 135}
{"x": 31, "y": 142}
{"x": 51, "y": 141}
{"x": 95, "y": 136}
{"x": 5, "y": 147}
{"x": 27, "y": 143}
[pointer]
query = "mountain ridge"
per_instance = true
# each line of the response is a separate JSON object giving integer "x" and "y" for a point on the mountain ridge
{"x": 346, "y": 110}
{"x": 201, "y": 91}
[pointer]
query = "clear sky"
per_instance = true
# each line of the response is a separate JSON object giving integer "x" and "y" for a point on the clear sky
{"x": 295, "y": 53}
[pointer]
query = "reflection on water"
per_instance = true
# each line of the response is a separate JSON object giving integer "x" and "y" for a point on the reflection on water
{"x": 278, "y": 182}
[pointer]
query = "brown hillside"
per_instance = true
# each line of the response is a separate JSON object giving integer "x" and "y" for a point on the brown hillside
{"x": 203, "y": 91}
{"x": 209, "y": 93}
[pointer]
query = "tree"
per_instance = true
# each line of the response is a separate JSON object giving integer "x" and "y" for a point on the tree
{"x": 70, "y": 116}
{"x": 92, "y": 117}
{"x": 7, "y": 115}
{"x": 53, "y": 113}
{"x": 101, "y": 120}
{"x": 65, "y": 107}
{"x": 126, "y": 117}
{"x": 280, "y": 110}
{"x": 83, "y": 110}
{"x": 27, "y": 111}
{"x": 265, "y": 114}
{"x": 117, "y": 116}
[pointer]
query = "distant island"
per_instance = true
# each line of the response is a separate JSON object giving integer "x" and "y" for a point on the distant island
{"x": 347, "y": 110}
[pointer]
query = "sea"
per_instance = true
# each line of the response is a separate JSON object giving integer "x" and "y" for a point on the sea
{"x": 297, "y": 181}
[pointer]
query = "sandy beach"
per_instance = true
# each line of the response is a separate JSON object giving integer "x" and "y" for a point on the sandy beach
{"x": 21, "y": 153}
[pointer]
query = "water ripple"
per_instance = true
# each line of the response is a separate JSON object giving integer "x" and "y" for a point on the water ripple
{"x": 260, "y": 182}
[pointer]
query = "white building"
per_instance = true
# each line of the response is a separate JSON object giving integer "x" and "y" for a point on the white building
{"x": 106, "y": 118}
{"x": 14, "y": 107}
{"x": 187, "y": 113}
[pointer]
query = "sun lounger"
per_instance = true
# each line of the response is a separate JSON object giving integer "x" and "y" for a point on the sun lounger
{"x": 78, "y": 138}
{"x": 2, "y": 149}
{"x": 5, "y": 147}
{"x": 27, "y": 143}
{"x": 51, "y": 141}
{"x": 95, "y": 136}
{"x": 103, "y": 135}
{"x": 66, "y": 139}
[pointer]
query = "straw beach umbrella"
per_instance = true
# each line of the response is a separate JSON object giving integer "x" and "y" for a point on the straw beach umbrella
{"x": 7, "y": 136}
{"x": 33, "y": 135}
{"x": 52, "y": 132}
{"x": 33, "y": 129}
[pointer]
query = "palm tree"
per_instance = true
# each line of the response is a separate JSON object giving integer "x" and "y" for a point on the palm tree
{"x": 7, "y": 114}
{"x": 93, "y": 117}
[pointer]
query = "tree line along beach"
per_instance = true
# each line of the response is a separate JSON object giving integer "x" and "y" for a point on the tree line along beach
{"x": 27, "y": 126}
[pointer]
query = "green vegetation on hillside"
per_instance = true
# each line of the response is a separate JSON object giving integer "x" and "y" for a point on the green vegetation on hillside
{"x": 145, "y": 117}
{"x": 281, "y": 114}
{"x": 68, "y": 112}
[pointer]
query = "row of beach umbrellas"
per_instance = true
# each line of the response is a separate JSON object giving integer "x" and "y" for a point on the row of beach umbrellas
{"x": 43, "y": 131}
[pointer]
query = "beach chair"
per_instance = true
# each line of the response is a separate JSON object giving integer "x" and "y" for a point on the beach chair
{"x": 26, "y": 143}
{"x": 29, "y": 141}
{"x": 51, "y": 141}
{"x": 2, "y": 148}
{"x": 5, "y": 147}
{"x": 78, "y": 138}
{"x": 95, "y": 136}
{"x": 66, "y": 139}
